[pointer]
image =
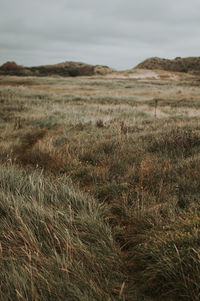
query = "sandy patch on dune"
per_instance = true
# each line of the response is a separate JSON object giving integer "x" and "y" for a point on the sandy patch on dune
{"x": 143, "y": 74}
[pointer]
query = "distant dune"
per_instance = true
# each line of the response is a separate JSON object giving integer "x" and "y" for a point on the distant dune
{"x": 189, "y": 64}
{"x": 62, "y": 69}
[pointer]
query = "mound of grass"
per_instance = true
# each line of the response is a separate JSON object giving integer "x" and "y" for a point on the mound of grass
{"x": 178, "y": 64}
{"x": 167, "y": 262}
{"x": 61, "y": 69}
{"x": 55, "y": 243}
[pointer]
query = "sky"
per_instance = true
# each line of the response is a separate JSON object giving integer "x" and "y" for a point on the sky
{"x": 117, "y": 33}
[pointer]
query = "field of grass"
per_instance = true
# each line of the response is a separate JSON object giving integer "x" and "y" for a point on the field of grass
{"x": 99, "y": 189}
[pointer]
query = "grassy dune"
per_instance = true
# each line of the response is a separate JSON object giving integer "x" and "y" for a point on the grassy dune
{"x": 99, "y": 189}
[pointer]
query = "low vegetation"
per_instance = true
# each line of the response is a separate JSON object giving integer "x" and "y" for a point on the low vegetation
{"x": 99, "y": 189}
{"x": 189, "y": 64}
{"x": 64, "y": 69}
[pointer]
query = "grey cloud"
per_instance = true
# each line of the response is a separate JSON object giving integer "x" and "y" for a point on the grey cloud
{"x": 119, "y": 33}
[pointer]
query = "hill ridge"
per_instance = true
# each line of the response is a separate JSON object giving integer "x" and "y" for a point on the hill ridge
{"x": 67, "y": 68}
{"x": 187, "y": 64}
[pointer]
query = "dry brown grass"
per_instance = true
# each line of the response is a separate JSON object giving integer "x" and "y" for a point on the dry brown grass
{"x": 144, "y": 169}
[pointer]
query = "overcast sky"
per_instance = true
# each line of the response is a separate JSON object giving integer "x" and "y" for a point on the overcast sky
{"x": 118, "y": 33}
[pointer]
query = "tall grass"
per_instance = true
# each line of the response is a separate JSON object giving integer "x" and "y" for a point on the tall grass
{"x": 55, "y": 243}
{"x": 99, "y": 198}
